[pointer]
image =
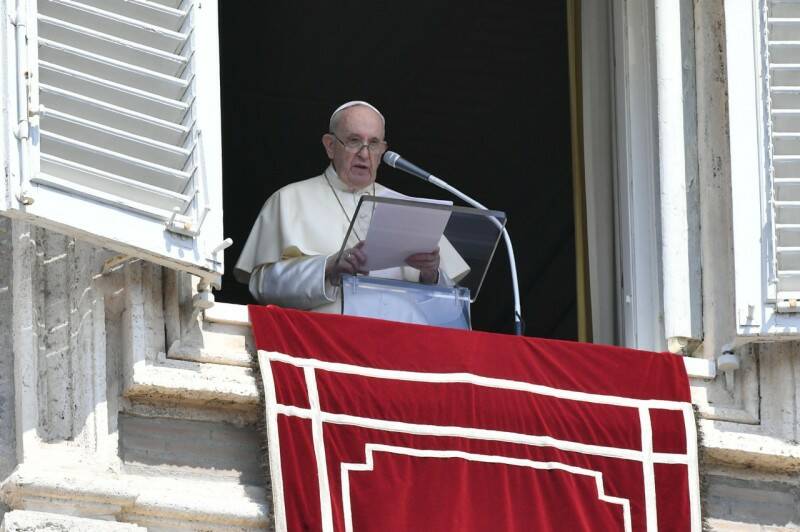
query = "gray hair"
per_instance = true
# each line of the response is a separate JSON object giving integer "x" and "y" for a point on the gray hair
{"x": 337, "y": 114}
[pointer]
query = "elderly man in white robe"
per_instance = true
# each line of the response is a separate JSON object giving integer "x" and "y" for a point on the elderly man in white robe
{"x": 290, "y": 257}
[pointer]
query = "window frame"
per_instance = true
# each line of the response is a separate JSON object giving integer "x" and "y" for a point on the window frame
{"x": 619, "y": 109}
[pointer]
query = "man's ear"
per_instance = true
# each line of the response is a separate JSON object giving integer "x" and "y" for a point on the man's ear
{"x": 327, "y": 141}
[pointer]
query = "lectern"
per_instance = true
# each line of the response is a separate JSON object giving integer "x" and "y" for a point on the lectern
{"x": 393, "y": 229}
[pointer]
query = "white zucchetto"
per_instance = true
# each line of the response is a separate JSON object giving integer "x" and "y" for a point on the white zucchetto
{"x": 353, "y": 103}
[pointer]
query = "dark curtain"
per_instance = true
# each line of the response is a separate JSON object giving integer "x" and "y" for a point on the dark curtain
{"x": 475, "y": 92}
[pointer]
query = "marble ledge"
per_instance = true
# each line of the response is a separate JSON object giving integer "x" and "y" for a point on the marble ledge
{"x": 232, "y": 314}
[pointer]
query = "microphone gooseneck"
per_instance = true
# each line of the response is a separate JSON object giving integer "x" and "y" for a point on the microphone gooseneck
{"x": 394, "y": 160}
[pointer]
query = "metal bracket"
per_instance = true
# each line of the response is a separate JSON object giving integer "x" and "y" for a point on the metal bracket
{"x": 25, "y": 198}
{"x": 203, "y": 299}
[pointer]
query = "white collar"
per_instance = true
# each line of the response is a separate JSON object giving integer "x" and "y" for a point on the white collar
{"x": 337, "y": 183}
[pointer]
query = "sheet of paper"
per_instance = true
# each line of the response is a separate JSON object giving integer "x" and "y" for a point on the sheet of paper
{"x": 397, "y": 231}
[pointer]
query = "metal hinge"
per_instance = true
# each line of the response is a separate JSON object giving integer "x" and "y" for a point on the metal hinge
{"x": 181, "y": 225}
{"x": 787, "y": 306}
{"x": 23, "y": 129}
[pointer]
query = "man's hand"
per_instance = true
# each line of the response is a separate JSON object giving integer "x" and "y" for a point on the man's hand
{"x": 427, "y": 264}
{"x": 352, "y": 261}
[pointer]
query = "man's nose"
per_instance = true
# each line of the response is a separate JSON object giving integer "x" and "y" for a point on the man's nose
{"x": 363, "y": 151}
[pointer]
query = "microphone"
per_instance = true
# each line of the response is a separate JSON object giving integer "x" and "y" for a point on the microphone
{"x": 394, "y": 160}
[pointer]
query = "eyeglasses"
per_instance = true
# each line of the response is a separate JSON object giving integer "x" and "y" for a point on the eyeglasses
{"x": 355, "y": 145}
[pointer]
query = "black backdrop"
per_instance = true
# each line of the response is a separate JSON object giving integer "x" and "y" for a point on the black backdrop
{"x": 476, "y": 92}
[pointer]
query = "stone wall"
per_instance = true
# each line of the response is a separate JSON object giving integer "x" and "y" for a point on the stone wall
{"x": 116, "y": 412}
{"x": 7, "y": 437}
{"x": 751, "y": 428}
{"x": 137, "y": 410}
{"x": 752, "y": 465}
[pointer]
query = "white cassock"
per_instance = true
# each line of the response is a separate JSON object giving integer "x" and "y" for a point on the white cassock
{"x": 299, "y": 227}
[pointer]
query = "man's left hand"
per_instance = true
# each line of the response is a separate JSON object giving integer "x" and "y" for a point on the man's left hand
{"x": 427, "y": 264}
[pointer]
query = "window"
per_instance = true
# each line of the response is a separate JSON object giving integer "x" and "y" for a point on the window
{"x": 118, "y": 128}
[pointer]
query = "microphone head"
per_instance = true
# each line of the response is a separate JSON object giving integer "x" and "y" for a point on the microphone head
{"x": 391, "y": 158}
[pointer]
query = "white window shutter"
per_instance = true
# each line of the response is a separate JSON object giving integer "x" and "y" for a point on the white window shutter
{"x": 783, "y": 57}
{"x": 763, "y": 67}
{"x": 123, "y": 147}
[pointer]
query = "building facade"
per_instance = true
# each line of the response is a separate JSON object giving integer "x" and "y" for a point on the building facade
{"x": 127, "y": 401}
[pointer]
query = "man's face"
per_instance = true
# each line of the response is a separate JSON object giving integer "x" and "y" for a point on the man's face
{"x": 358, "y": 169}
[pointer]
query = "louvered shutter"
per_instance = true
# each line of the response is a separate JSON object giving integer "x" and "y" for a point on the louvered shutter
{"x": 783, "y": 83}
{"x": 123, "y": 146}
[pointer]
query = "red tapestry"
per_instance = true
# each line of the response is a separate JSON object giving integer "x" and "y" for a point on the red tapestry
{"x": 383, "y": 426}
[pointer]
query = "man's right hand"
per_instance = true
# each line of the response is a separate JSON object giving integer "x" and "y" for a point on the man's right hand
{"x": 352, "y": 261}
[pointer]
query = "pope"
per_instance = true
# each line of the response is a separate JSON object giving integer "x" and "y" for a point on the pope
{"x": 290, "y": 257}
